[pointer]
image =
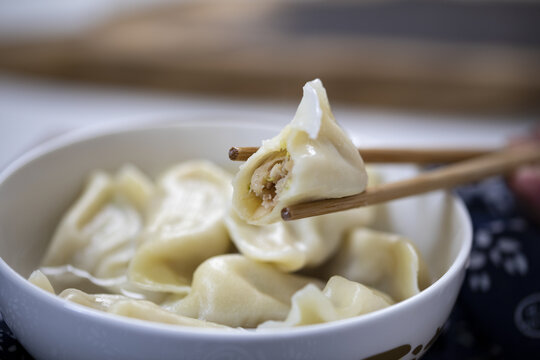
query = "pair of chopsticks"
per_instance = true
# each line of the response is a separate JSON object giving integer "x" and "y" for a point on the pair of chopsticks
{"x": 395, "y": 155}
{"x": 471, "y": 165}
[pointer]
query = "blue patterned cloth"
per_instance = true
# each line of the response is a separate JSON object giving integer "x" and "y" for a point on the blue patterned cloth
{"x": 497, "y": 315}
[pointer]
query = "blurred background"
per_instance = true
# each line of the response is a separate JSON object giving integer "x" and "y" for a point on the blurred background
{"x": 467, "y": 67}
{"x": 439, "y": 55}
{"x": 398, "y": 73}
{"x": 478, "y": 56}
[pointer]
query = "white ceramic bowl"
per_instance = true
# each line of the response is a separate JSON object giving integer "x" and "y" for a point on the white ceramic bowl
{"x": 36, "y": 189}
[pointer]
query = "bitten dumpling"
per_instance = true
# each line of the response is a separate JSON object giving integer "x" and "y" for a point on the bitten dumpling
{"x": 185, "y": 227}
{"x": 235, "y": 291}
{"x": 311, "y": 158}
{"x": 99, "y": 234}
{"x": 384, "y": 261}
{"x": 340, "y": 299}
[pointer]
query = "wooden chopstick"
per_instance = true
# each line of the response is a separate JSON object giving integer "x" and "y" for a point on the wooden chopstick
{"x": 397, "y": 155}
{"x": 500, "y": 162}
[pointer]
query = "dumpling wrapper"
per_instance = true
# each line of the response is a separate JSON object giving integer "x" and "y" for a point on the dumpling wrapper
{"x": 120, "y": 305}
{"x": 294, "y": 245}
{"x": 41, "y": 281}
{"x": 185, "y": 227}
{"x": 340, "y": 299}
{"x": 235, "y": 291}
{"x": 311, "y": 158}
{"x": 136, "y": 309}
{"x": 68, "y": 276}
{"x": 387, "y": 262}
{"x": 304, "y": 243}
{"x": 99, "y": 234}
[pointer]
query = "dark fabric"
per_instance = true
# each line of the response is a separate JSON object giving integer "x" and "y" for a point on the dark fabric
{"x": 497, "y": 315}
{"x": 10, "y": 349}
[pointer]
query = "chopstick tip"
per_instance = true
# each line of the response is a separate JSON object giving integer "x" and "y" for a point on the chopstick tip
{"x": 233, "y": 153}
{"x": 286, "y": 214}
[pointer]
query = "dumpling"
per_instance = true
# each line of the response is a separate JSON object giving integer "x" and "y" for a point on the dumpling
{"x": 299, "y": 244}
{"x": 296, "y": 244}
{"x": 136, "y": 309}
{"x": 40, "y": 280}
{"x": 184, "y": 228}
{"x": 146, "y": 310}
{"x": 238, "y": 292}
{"x": 101, "y": 302}
{"x": 68, "y": 276}
{"x": 99, "y": 234}
{"x": 120, "y": 305}
{"x": 387, "y": 262}
{"x": 311, "y": 158}
{"x": 340, "y": 299}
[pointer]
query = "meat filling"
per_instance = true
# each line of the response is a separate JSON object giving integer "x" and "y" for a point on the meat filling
{"x": 269, "y": 179}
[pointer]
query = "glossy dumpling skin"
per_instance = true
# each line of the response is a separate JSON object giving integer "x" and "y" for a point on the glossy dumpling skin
{"x": 100, "y": 233}
{"x": 40, "y": 280}
{"x": 184, "y": 228}
{"x": 295, "y": 245}
{"x": 340, "y": 299}
{"x": 384, "y": 261}
{"x": 120, "y": 305}
{"x": 305, "y": 243}
{"x": 311, "y": 158}
{"x": 136, "y": 309}
{"x": 235, "y": 291}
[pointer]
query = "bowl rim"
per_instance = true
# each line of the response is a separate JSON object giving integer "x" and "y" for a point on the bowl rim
{"x": 172, "y": 330}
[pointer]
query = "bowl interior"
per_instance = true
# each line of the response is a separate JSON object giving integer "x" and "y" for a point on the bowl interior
{"x": 37, "y": 189}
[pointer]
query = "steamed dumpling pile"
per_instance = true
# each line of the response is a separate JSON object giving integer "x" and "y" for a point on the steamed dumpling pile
{"x": 186, "y": 249}
{"x": 184, "y": 227}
